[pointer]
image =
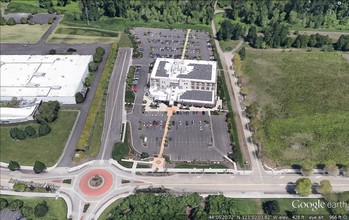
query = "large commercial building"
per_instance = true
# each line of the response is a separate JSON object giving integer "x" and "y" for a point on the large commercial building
{"x": 190, "y": 82}
{"x": 42, "y": 77}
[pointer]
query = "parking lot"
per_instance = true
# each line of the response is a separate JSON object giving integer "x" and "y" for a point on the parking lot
{"x": 168, "y": 43}
{"x": 190, "y": 135}
{"x": 7, "y": 214}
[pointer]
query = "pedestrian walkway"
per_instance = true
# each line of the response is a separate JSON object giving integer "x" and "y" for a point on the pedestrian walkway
{"x": 185, "y": 43}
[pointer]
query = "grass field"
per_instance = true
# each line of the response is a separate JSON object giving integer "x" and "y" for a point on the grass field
{"x": 14, "y": 34}
{"x": 86, "y": 32}
{"x": 122, "y": 149}
{"x": 125, "y": 41}
{"x": 57, "y": 208}
{"x": 78, "y": 39}
{"x": 302, "y": 99}
{"x": 46, "y": 149}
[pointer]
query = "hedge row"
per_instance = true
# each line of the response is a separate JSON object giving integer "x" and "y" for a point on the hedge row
{"x": 97, "y": 101}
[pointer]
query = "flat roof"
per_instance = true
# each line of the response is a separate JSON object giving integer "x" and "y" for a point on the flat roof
{"x": 198, "y": 70}
{"x": 16, "y": 113}
{"x": 42, "y": 75}
{"x": 198, "y": 95}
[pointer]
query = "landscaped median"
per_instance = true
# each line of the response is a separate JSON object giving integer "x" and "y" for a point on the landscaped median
{"x": 97, "y": 108}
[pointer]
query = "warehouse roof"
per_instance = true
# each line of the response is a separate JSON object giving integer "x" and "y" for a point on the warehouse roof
{"x": 38, "y": 75}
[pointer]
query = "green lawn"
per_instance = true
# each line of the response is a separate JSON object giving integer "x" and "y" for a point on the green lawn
{"x": 122, "y": 149}
{"x": 125, "y": 40}
{"x": 14, "y": 34}
{"x": 303, "y": 100}
{"x": 86, "y": 32}
{"x": 57, "y": 208}
{"x": 46, "y": 149}
{"x": 228, "y": 45}
{"x": 106, "y": 211}
{"x": 201, "y": 166}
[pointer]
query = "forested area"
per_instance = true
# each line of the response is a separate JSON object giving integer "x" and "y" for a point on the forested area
{"x": 266, "y": 23}
{"x": 298, "y": 13}
{"x": 171, "y": 11}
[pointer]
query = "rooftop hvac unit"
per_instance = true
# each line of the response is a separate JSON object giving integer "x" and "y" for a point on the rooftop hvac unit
{"x": 56, "y": 87}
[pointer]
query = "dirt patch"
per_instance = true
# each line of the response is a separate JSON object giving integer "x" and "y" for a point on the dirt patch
{"x": 346, "y": 56}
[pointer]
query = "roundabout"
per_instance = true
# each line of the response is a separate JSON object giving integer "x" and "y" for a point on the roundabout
{"x": 96, "y": 182}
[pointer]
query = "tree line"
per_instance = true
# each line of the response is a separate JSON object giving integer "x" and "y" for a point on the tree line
{"x": 26, "y": 210}
{"x": 171, "y": 11}
{"x": 298, "y": 13}
{"x": 278, "y": 35}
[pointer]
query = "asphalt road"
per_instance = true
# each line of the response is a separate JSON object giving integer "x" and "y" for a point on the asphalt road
{"x": 115, "y": 103}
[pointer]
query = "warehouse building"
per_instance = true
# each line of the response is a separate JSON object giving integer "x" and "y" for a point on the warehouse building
{"x": 42, "y": 77}
{"x": 189, "y": 82}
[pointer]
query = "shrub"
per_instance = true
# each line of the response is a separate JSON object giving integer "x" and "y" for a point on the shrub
{"x": 30, "y": 131}
{"x": 79, "y": 98}
{"x": 21, "y": 135}
{"x": 271, "y": 207}
{"x": 15, "y": 205}
{"x": 41, "y": 210}
{"x": 30, "y": 21}
{"x": 144, "y": 155}
{"x": 39, "y": 167}
{"x": 100, "y": 50}
{"x": 51, "y": 10}
{"x": 11, "y": 21}
{"x": 2, "y": 21}
{"x": 48, "y": 112}
{"x": 45, "y": 3}
{"x": 92, "y": 67}
{"x": 3, "y": 203}
{"x": 50, "y": 21}
{"x": 14, "y": 132}
{"x": 88, "y": 80}
{"x": 23, "y": 20}
{"x": 97, "y": 58}
{"x": 44, "y": 129}
{"x": 19, "y": 187}
{"x": 53, "y": 51}
{"x": 14, "y": 165}
{"x": 27, "y": 211}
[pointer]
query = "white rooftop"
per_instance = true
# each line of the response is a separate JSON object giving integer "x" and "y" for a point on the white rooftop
{"x": 196, "y": 70}
{"x": 42, "y": 75}
{"x": 16, "y": 113}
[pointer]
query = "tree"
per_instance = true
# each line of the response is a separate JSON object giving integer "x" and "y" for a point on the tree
{"x": 63, "y": 3}
{"x": 242, "y": 53}
{"x": 31, "y": 21}
{"x": 15, "y": 205}
{"x": 92, "y": 67}
{"x": 343, "y": 43}
{"x": 21, "y": 135}
{"x": 14, "y": 165}
{"x": 11, "y": 21}
{"x": 331, "y": 168}
{"x": 252, "y": 34}
{"x": 48, "y": 112}
{"x": 51, "y": 10}
{"x": 303, "y": 186}
{"x": 23, "y": 20}
{"x": 3, "y": 203}
{"x": 52, "y": 51}
{"x": 271, "y": 207}
{"x": 30, "y": 131}
{"x": 79, "y": 98}
{"x": 44, "y": 129}
{"x": 144, "y": 155}
{"x": 14, "y": 132}
{"x": 26, "y": 211}
{"x": 324, "y": 187}
{"x": 345, "y": 171}
{"x": 41, "y": 209}
{"x": 2, "y": 21}
{"x": 100, "y": 50}
{"x": 19, "y": 187}
{"x": 45, "y": 3}
{"x": 97, "y": 58}
{"x": 307, "y": 167}
{"x": 50, "y": 21}
{"x": 39, "y": 167}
